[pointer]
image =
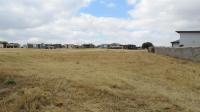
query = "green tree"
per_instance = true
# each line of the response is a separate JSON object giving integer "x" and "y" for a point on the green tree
{"x": 146, "y": 45}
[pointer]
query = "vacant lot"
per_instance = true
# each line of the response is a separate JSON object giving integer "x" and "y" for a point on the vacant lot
{"x": 96, "y": 81}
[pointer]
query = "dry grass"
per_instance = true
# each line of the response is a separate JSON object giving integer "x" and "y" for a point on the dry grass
{"x": 97, "y": 81}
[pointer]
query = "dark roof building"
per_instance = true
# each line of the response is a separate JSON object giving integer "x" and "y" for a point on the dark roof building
{"x": 88, "y": 46}
{"x": 4, "y": 44}
{"x": 129, "y": 46}
{"x": 176, "y": 43}
{"x": 13, "y": 45}
{"x": 104, "y": 46}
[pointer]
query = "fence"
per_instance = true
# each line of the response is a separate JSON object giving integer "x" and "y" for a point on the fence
{"x": 183, "y": 53}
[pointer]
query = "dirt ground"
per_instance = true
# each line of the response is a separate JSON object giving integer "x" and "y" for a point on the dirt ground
{"x": 96, "y": 80}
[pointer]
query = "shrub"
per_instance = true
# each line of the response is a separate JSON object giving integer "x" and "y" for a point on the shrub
{"x": 10, "y": 82}
{"x": 146, "y": 45}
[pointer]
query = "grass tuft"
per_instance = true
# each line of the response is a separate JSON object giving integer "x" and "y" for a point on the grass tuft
{"x": 10, "y": 82}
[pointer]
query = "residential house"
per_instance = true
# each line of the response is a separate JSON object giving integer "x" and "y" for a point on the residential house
{"x": 40, "y": 46}
{"x": 29, "y": 45}
{"x": 88, "y": 46}
{"x": 3, "y": 44}
{"x": 129, "y": 46}
{"x": 36, "y": 46}
{"x": 57, "y": 46}
{"x": 115, "y": 46}
{"x": 69, "y": 46}
{"x": 188, "y": 39}
{"x": 24, "y": 46}
{"x": 176, "y": 43}
{"x": 13, "y": 45}
{"x": 77, "y": 46}
{"x": 103, "y": 46}
{"x": 49, "y": 46}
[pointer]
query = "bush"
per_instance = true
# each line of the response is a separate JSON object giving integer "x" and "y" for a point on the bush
{"x": 146, "y": 45}
{"x": 10, "y": 82}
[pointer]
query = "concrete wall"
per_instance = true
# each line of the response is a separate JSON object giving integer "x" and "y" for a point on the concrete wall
{"x": 183, "y": 53}
{"x": 190, "y": 39}
{"x": 176, "y": 45}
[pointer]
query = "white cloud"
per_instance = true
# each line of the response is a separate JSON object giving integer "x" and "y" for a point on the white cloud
{"x": 133, "y": 2}
{"x": 59, "y": 21}
{"x": 164, "y": 17}
{"x": 33, "y": 13}
{"x": 33, "y": 40}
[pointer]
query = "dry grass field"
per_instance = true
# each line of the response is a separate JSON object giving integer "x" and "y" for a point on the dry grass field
{"x": 95, "y": 80}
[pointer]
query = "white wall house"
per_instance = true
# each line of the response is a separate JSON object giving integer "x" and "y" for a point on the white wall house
{"x": 189, "y": 38}
{"x": 1, "y": 45}
{"x": 70, "y": 46}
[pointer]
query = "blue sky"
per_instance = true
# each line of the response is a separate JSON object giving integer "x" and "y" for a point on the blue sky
{"x": 108, "y": 8}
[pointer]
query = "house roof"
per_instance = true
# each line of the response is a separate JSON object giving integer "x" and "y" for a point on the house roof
{"x": 87, "y": 44}
{"x": 115, "y": 44}
{"x": 188, "y": 31}
{"x": 3, "y": 42}
{"x": 129, "y": 45}
{"x": 177, "y": 41}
